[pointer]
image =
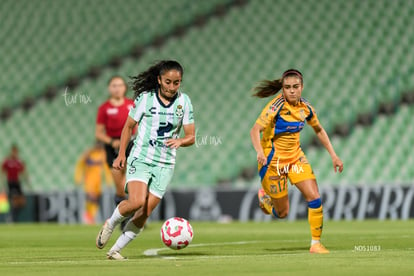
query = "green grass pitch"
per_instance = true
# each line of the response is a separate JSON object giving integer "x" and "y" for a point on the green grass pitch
{"x": 357, "y": 248}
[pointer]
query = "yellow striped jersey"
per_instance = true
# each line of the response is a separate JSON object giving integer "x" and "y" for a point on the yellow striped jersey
{"x": 282, "y": 123}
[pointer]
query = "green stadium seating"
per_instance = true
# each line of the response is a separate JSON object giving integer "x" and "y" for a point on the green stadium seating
{"x": 346, "y": 50}
{"x": 48, "y": 41}
{"x": 379, "y": 154}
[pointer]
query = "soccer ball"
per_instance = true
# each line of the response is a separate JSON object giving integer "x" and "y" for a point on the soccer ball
{"x": 176, "y": 233}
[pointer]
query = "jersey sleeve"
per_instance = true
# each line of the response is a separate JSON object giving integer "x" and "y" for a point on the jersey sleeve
{"x": 188, "y": 117}
{"x": 138, "y": 109}
{"x": 312, "y": 118}
{"x": 268, "y": 114}
{"x": 101, "y": 116}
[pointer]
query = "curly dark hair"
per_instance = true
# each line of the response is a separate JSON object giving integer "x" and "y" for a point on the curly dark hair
{"x": 148, "y": 80}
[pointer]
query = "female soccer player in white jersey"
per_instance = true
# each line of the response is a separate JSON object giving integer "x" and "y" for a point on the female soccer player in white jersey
{"x": 160, "y": 110}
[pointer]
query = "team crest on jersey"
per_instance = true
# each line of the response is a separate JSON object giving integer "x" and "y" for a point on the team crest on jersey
{"x": 132, "y": 170}
{"x": 179, "y": 112}
{"x": 302, "y": 114}
{"x": 303, "y": 160}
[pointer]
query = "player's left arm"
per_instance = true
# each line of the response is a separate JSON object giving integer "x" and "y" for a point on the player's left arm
{"x": 79, "y": 171}
{"x": 3, "y": 168}
{"x": 3, "y": 178}
{"x": 108, "y": 175}
{"x": 324, "y": 138}
{"x": 25, "y": 177}
{"x": 189, "y": 128}
{"x": 186, "y": 141}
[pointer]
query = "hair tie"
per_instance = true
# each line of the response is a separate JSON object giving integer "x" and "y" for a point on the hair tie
{"x": 292, "y": 72}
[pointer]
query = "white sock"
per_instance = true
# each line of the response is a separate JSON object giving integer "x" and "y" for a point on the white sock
{"x": 315, "y": 242}
{"x": 130, "y": 233}
{"x": 116, "y": 218}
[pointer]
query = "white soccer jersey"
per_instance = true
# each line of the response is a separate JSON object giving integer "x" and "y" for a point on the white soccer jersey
{"x": 157, "y": 123}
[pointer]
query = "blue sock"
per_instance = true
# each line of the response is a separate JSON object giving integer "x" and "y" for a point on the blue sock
{"x": 274, "y": 213}
{"x": 314, "y": 204}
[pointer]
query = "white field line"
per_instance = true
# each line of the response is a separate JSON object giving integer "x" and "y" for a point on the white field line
{"x": 153, "y": 252}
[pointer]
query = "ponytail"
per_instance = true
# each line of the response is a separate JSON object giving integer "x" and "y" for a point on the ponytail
{"x": 267, "y": 88}
{"x": 148, "y": 80}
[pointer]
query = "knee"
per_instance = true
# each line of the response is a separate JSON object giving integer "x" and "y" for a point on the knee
{"x": 281, "y": 212}
{"x": 281, "y": 207}
{"x": 136, "y": 203}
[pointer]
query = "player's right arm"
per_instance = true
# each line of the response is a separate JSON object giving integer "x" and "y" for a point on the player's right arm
{"x": 3, "y": 177}
{"x": 255, "y": 137}
{"x": 100, "y": 131}
{"x": 3, "y": 168}
{"x": 100, "y": 134}
{"x": 4, "y": 173}
{"x": 265, "y": 120}
{"x": 134, "y": 116}
{"x": 80, "y": 169}
{"x": 119, "y": 162}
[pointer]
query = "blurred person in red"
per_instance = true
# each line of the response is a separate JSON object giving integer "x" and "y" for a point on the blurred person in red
{"x": 111, "y": 117}
{"x": 14, "y": 170}
{"x": 88, "y": 171}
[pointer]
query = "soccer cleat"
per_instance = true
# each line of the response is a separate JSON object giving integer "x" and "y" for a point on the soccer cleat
{"x": 265, "y": 202}
{"x": 104, "y": 235}
{"x": 318, "y": 248}
{"x": 115, "y": 255}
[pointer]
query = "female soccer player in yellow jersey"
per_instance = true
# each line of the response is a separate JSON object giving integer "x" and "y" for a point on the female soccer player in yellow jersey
{"x": 275, "y": 137}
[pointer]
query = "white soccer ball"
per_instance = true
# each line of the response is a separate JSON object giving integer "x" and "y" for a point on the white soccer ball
{"x": 176, "y": 233}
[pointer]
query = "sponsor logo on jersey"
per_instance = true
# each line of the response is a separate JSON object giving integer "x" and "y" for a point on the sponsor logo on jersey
{"x": 291, "y": 127}
{"x": 155, "y": 143}
{"x": 153, "y": 111}
{"x": 112, "y": 111}
{"x": 165, "y": 113}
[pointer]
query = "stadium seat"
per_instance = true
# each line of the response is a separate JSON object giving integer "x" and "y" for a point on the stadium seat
{"x": 350, "y": 61}
{"x": 65, "y": 39}
{"x": 379, "y": 154}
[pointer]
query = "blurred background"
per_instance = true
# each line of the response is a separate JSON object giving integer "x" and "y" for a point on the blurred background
{"x": 356, "y": 56}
